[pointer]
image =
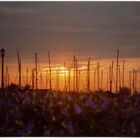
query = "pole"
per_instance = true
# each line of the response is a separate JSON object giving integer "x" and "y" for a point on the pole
{"x": 98, "y": 76}
{"x": 76, "y": 69}
{"x": 36, "y": 71}
{"x": 50, "y": 71}
{"x": 79, "y": 81}
{"x": 27, "y": 76}
{"x": 19, "y": 68}
{"x": 119, "y": 76}
{"x": 102, "y": 79}
{"x": 46, "y": 79}
{"x": 117, "y": 70}
{"x": 74, "y": 74}
{"x": 123, "y": 74}
{"x": 33, "y": 79}
{"x": 111, "y": 82}
{"x": 88, "y": 76}
{"x": 94, "y": 79}
{"x": 6, "y": 77}
{"x": 2, "y": 84}
{"x": 130, "y": 80}
{"x": 69, "y": 79}
{"x": 110, "y": 78}
{"x": 135, "y": 81}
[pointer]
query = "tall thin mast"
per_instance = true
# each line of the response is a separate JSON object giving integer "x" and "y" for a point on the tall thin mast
{"x": 76, "y": 69}
{"x": 79, "y": 79}
{"x": 88, "y": 76}
{"x": 74, "y": 73}
{"x": 110, "y": 78}
{"x": 98, "y": 76}
{"x": 46, "y": 79}
{"x": 27, "y": 76}
{"x": 64, "y": 76}
{"x": 6, "y": 76}
{"x": 130, "y": 80}
{"x": 135, "y": 80}
{"x": 102, "y": 79}
{"x": 33, "y": 79}
{"x": 123, "y": 74}
{"x": 119, "y": 73}
{"x": 36, "y": 71}
{"x": 19, "y": 68}
{"x": 50, "y": 71}
{"x": 117, "y": 70}
{"x": 111, "y": 82}
{"x": 94, "y": 79}
{"x": 133, "y": 84}
{"x": 69, "y": 79}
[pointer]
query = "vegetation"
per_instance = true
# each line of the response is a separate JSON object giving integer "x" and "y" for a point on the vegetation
{"x": 26, "y": 112}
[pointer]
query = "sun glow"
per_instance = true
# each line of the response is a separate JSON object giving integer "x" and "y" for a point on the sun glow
{"x": 63, "y": 70}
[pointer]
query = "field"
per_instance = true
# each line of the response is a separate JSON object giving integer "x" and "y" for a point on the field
{"x": 26, "y": 112}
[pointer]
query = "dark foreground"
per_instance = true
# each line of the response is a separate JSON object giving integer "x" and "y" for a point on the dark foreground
{"x": 30, "y": 113}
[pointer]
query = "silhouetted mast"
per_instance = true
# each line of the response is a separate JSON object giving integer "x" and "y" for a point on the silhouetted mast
{"x": 27, "y": 76}
{"x": 64, "y": 76}
{"x": 46, "y": 79}
{"x": 117, "y": 70}
{"x": 6, "y": 76}
{"x": 88, "y": 76}
{"x": 130, "y": 80}
{"x": 79, "y": 79}
{"x": 50, "y": 71}
{"x": 74, "y": 74}
{"x": 98, "y": 76}
{"x": 94, "y": 79}
{"x": 111, "y": 79}
{"x": 135, "y": 81}
{"x": 19, "y": 68}
{"x": 36, "y": 71}
{"x": 133, "y": 84}
{"x": 76, "y": 69}
{"x": 119, "y": 73}
{"x": 33, "y": 79}
{"x": 102, "y": 79}
{"x": 123, "y": 74}
{"x": 69, "y": 78}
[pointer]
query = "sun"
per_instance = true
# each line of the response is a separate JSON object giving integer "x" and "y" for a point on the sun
{"x": 63, "y": 70}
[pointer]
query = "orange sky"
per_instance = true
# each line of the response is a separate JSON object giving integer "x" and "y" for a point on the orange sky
{"x": 130, "y": 63}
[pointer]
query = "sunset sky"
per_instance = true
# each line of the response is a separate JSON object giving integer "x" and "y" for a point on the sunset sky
{"x": 67, "y": 28}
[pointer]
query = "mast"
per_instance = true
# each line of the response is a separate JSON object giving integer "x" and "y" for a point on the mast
{"x": 94, "y": 79}
{"x": 130, "y": 80}
{"x": 69, "y": 78}
{"x": 111, "y": 81}
{"x": 46, "y": 79}
{"x": 64, "y": 77}
{"x": 123, "y": 74}
{"x": 33, "y": 79}
{"x": 27, "y": 76}
{"x": 76, "y": 69}
{"x": 50, "y": 81}
{"x": 88, "y": 76}
{"x": 117, "y": 70}
{"x": 102, "y": 79}
{"x": 98, "y": 77}
{"x": 36, "y": 71}
{"x": 19, "y": 68}
{"x": 74, "y": 74}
